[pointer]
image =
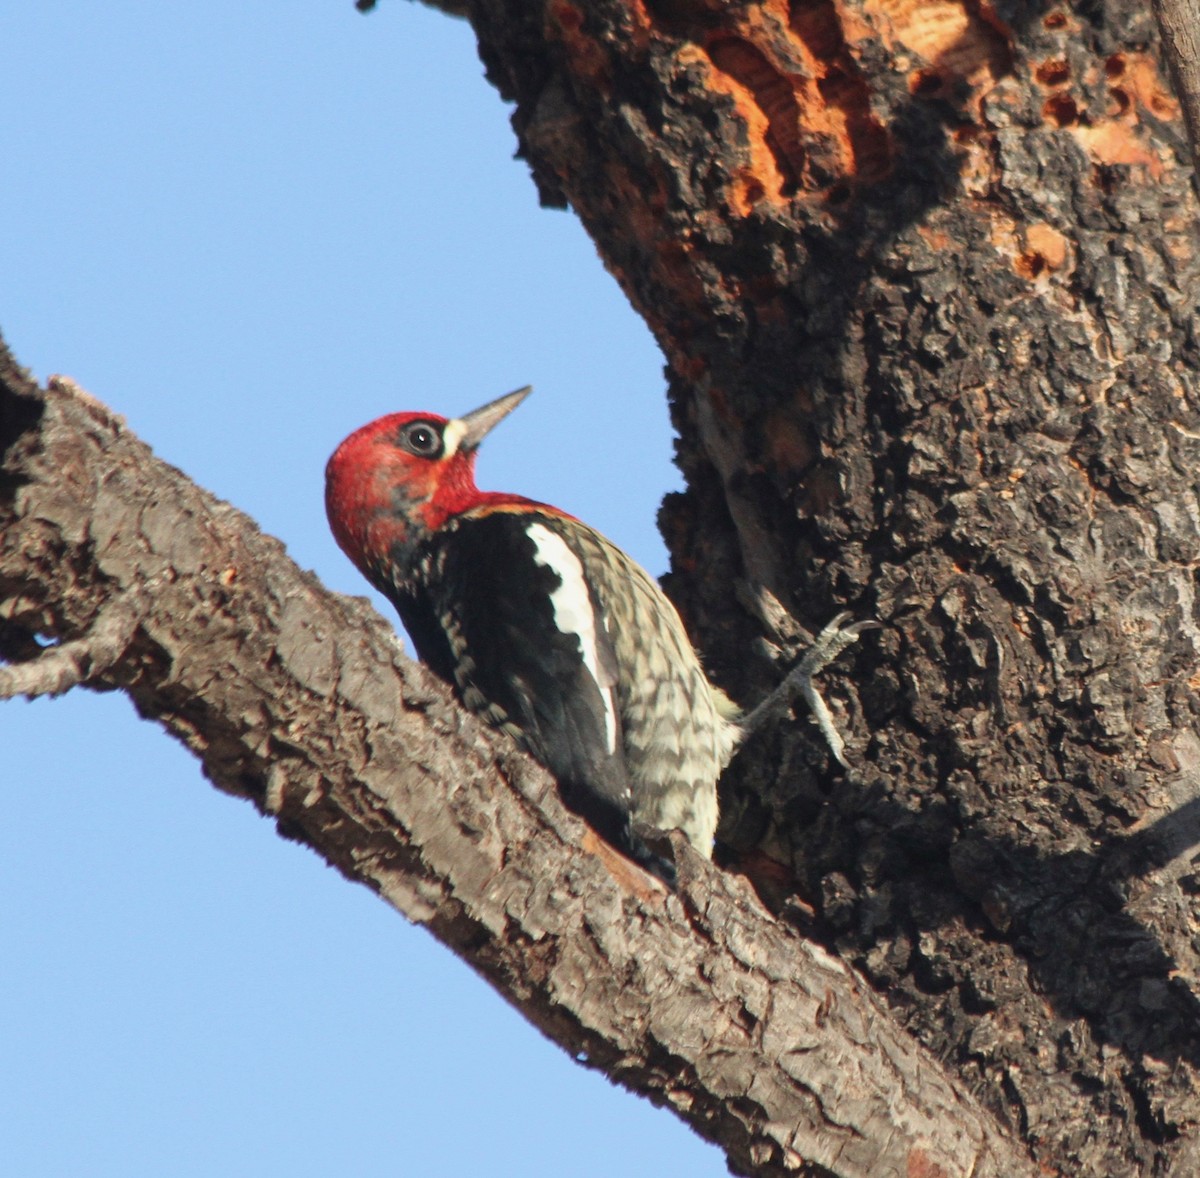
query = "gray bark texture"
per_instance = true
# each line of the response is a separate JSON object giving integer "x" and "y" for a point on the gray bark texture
{"x": 926, "y": 278}
{"x": 302, "y": 701}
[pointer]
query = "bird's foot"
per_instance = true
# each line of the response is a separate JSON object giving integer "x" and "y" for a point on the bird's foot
{"x": 827, "y": 645}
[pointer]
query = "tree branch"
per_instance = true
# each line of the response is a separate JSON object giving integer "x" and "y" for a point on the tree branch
{"x": 56, "y": 669}
{"x": 302, "y": 701}
{"x": 1179, "y": 24}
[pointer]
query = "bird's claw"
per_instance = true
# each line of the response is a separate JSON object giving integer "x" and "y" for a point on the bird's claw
{"x": 831, "y": 641}
{"x": 827, "y": 645}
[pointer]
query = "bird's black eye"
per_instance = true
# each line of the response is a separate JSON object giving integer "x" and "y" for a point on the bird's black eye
{"x": 422, "y": 438}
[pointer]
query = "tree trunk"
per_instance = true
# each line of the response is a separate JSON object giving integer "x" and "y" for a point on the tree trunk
{"x": 925, "y": 275}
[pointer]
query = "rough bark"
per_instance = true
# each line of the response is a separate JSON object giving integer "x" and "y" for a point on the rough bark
{"x": 926, "y": 277}
{"x": 302, "y": 701}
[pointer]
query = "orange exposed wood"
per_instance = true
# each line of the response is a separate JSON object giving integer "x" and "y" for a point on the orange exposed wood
{"x": 935, "y": 238}
{"x": 1136, "y": 76}
{"x": 1055, "y": 72}
{"x": 957, "y": 40}
{"x": 745, "y": 192}
{"x": 1034, "y": 251}
{"x": 823, "y": 33}
{"x": 1048, "y": 243}
{"x": 763, "y": 177}
{"x": 1118, "y": 143}
{"x": 1135, "y": 88}
{"x": 797, "y": 87}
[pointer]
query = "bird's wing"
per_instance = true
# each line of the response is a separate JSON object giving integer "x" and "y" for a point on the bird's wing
{"x": 532, "y": 653}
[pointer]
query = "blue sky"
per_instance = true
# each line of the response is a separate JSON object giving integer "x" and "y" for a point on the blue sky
{"x": 251, "y": 227}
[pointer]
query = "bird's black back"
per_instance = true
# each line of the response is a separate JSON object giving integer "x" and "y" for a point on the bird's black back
{"x": 479, "y": 607}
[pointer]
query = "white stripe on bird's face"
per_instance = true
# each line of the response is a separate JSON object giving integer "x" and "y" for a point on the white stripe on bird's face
{"x": 452, "y": 436}
{"x": 574, "y": 614}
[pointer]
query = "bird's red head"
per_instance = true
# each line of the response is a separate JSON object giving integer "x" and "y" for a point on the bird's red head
{"x": 403, "y": 476}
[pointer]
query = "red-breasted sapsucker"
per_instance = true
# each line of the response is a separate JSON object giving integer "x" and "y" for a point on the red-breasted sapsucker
{"x": 546, "y": 628}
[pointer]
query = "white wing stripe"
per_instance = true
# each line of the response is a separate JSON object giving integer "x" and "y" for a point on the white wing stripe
{"x": 573, "y": 613}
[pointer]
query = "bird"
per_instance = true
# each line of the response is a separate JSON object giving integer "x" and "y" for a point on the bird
{"x": 549, "y": 631}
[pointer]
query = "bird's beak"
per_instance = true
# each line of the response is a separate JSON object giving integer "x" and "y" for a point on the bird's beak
{"x": 474, "y": 427}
